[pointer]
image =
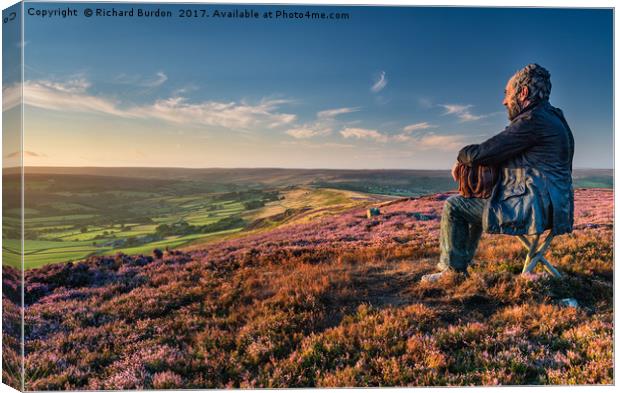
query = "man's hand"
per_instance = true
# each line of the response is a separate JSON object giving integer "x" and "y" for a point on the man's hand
{"x": 453, "y": 171}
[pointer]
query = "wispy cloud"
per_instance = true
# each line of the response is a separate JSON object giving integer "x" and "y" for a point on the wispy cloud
{"x": 160, "y": 79}
{"x": 138, "y": 80}
{"x": 323, "y": 125}
{"x": 13, "y": 94}
{"x": 231, "y": 115}
{"x": 68, "y": 97}
{"x": 380, "y": 83}
{"x": 442, "y": 142}
{"x": 363, "y": 133}
{"x": 330, "y": 113}
{"x": 72, "y": 96}
{"x": 428, "y": 141}
{"x": 432, "y": 141}
{"x": 455, "y": 109}
{"x": 11, "y": 97}
{"x": 308, "y": 131}
{"x": 461, "y": 111}
{"x": 79, "y": 85}
{"x": 418, "y": 126}
{"x": 185, "y": 89}
{"x": 424, "y": 140}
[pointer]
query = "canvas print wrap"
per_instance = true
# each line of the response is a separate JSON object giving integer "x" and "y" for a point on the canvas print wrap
{"x": 12, "y": 208}
{"x": 201, "y": 196}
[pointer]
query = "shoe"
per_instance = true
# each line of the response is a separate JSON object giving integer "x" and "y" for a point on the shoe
{"x": 433, "y": 277}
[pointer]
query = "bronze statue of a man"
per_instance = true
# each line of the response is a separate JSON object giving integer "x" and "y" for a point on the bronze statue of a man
{"x": 534, "y": 192}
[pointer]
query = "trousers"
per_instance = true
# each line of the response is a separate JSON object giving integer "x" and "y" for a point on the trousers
{"x": 461, "y": 228}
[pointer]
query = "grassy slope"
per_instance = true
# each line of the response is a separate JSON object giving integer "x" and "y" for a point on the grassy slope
{"x": 300, "y": 205}
{"x": 305, "y": 203}
{"x": 334, "y": 301}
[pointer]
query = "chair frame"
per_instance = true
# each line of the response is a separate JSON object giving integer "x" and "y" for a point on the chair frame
{"x": 535, "y": 253}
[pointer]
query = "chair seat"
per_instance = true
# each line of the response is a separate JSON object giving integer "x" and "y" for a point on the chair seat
{"x": 535, "y": 253}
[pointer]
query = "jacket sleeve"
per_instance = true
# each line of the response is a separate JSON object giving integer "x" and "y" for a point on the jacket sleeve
{"x": 516, "y": 137}
{"x": 571, "y": 140}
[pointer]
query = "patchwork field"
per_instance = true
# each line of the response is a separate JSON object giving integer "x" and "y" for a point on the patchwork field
{"x": 334, "y": 300}
{"x": 167, "y": 217}
{"x": 74, "y": 213}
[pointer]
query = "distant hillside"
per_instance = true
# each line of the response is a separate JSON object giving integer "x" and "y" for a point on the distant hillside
{"x": 389, "y": 181}
{"x": 593, "y": 178}
{"x": 334, "y": 301}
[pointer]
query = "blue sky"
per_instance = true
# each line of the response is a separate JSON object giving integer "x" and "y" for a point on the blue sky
{"x": 391, "y": 87}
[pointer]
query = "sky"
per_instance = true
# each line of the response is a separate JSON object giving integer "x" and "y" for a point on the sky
{"x": 389, "y": 87}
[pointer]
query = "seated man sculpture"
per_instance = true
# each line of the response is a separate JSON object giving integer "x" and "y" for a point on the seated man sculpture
{"x": 534, "y": 191}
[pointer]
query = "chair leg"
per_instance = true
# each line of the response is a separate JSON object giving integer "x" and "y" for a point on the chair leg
{"x": 530, "y": 261}
{"x": 535, "y": 254}
{"x": 524, "y": 241}
{"x": 549, "y": 267}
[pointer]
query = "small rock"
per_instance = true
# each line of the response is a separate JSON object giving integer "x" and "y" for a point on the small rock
{"x": 373, "y": 211}
{"x": 569, "y": 302}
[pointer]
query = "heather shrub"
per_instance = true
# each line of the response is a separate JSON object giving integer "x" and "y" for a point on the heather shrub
{"x": 331, "y": 301}
{"x": 167, "y": 380}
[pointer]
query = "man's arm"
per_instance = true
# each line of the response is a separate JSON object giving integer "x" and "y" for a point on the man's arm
{"x": 517, "y": 137}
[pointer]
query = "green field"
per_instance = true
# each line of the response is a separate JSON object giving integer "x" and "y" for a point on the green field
{"x": 72, "y": 214}
{"x": 71, "y": 217}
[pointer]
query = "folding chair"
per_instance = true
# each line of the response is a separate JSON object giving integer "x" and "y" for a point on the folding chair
{"x": 536, "y": 252}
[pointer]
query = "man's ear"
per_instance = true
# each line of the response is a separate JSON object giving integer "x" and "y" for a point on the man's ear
{"x": 524, "y": 93}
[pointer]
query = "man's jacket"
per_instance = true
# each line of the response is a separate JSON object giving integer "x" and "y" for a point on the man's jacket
{"x": 535, "y": 156}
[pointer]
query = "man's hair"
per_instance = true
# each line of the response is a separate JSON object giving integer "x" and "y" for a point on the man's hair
{"x": 536, "y": 78}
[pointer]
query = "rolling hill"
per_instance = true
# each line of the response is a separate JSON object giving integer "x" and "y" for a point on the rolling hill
{"x": 331, "y": 301}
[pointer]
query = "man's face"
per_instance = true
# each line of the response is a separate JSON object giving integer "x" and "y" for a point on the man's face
{"x": 511, "y": 101}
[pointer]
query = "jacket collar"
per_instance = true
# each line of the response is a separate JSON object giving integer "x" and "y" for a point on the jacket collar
{"x": 531, "y": 106}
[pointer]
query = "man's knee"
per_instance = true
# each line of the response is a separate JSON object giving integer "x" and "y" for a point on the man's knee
{"x": 470, "y": 209}
{"x": 452, "y": 205}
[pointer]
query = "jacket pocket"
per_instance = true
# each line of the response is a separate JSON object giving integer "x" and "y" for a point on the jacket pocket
{"x": 512, "y": 190}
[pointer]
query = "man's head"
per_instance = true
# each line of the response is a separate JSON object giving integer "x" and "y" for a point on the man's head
{"x": 530, "y": 84}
